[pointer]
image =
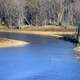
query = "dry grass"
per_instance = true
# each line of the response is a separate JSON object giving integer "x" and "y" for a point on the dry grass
{"x": 42, "y": 33}
{"x": 49, "y": 28}
{"x": 57, "y": 31}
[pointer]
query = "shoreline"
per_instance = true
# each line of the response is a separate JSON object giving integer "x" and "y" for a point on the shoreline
{"x": 8, "y": 43}
{"x": 56, "y": 34}
{"x": 77, "y": 49}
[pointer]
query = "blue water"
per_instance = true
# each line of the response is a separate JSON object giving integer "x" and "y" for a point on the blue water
{"x": 46, "y": 58}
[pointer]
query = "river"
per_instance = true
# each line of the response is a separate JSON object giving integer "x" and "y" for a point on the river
{"x": 45, "y": 58}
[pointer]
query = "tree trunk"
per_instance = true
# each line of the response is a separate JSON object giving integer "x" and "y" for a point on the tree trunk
{"x": 78, "y": 35}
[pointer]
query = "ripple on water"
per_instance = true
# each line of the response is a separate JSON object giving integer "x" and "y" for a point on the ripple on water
{"x": 46, "y": 58}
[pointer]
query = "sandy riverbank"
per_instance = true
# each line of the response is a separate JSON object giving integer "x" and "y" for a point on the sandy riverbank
{"x": 42, "y": 33}
{"x": 4, "y": 42}
{"x": 77, "y": 49}
{"x": 49, "y": 31}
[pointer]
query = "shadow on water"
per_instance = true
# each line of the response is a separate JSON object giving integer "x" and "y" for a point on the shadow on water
{"x": 69, "y": 38}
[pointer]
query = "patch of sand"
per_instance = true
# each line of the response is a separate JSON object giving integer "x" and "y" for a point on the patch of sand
{"x": 4, "y": 42}
{"x": 77, "y": 49}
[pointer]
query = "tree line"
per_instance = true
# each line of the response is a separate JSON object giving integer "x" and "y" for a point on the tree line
{"x": 39, "y": 12}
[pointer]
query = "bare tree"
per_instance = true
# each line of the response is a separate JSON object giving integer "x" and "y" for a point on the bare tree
{"x": 39, "y": 12}
{"x": 12, "y": 11}
{"x": 76, "y": 18}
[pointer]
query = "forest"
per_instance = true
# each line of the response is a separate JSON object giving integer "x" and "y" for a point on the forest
{"x": 39, "y": 39}
{"x": 15, "y": 13}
